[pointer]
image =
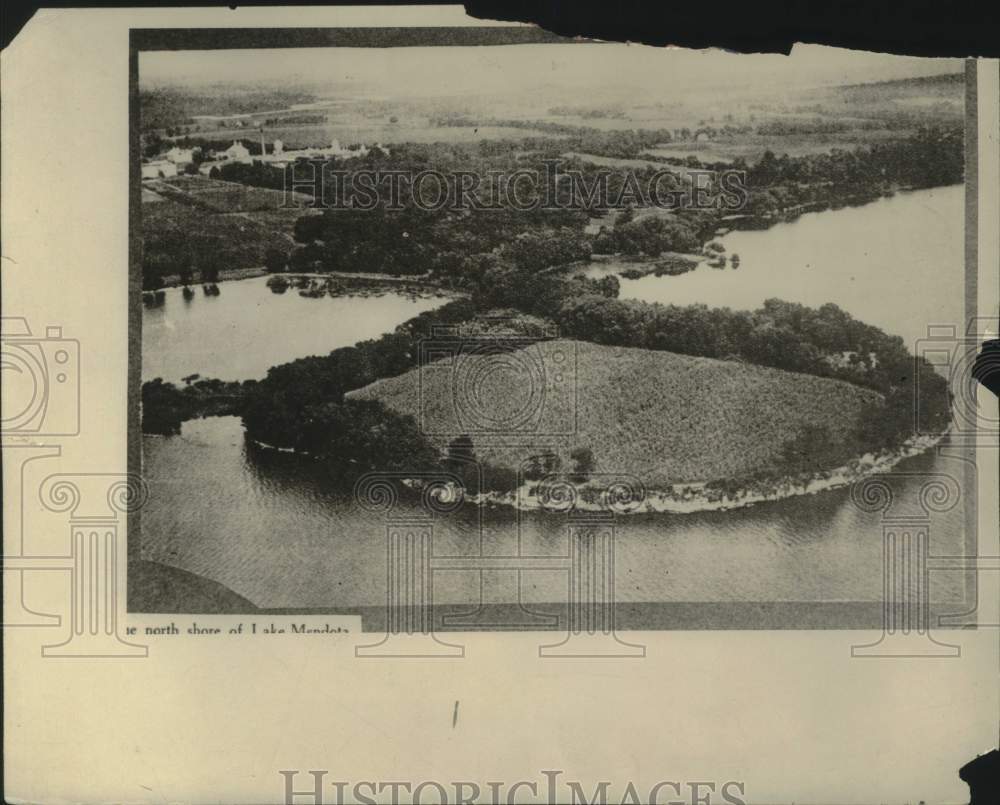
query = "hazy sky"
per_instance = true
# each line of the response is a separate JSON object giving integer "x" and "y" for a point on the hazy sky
{"x": 634, "y": 71}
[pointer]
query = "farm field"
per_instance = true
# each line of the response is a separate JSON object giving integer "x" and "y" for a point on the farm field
{"x": 218, "y": 196}
{"x": 418, "y": 130}
{"x": 794, "y": 124}
{"x": 751, "y": 147}
{"x": 616, "y": 162}
{"x": 663, "y": 417}
{"x": 640, "y": 163}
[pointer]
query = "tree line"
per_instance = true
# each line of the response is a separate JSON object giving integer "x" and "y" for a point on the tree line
{"x": 502, "y": 258}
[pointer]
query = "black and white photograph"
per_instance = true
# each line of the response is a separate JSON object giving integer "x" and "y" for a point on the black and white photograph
{"x": 413, "y": 404}
{"x": 662, "y": 331}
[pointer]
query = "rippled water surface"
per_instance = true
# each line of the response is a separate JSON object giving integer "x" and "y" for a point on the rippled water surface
{"x": 273, "y": 529}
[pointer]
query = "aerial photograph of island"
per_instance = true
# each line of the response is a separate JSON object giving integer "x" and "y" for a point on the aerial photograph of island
{"x": 520, "y": 282}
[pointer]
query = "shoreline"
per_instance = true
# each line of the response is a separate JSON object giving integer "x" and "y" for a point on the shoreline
{"x": 695, "y": 498}
{"x": 253, "y": 272}
{"x": 225, "y": 275}
{"x": 691, "y": 497}
{"x": 759, "y": 222}
{"x": 642, "y": 265}
{"x": 347, "y": 284}
{"x": 669, "y": 264}
{"x": 742, "y": 222}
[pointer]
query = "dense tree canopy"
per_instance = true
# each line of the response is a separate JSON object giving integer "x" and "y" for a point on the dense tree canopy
{"x": 522, "y": 260}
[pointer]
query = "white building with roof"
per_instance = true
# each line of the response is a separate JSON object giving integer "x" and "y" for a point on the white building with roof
{"x": 237, "y": 152}
{"x": 180, "y": 156}
{"x": 158, "y": 169}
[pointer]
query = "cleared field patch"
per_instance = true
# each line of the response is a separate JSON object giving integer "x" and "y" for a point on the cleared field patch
{"x": 663, "y": 417}
{"x": 219, "y": 196}
{"x": 751, "y": 147}
{"x": 406, "y": 130}
{"x": 618, "y": 162}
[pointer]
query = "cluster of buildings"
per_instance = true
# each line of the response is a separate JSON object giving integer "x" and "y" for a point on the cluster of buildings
{"x": 168, "y": 164}
{"x": 178, "y": 159}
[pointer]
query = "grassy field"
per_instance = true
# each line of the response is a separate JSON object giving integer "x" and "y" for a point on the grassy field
{"x": 751, "y": 147}
{"x": 663, "y": 417}
{"x": 214, "y": 195}
{"x": 407, "y": 130}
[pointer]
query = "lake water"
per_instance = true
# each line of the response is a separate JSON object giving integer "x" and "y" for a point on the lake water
{"x": 896, "y": 263}
{"x": 273, "y": 529}
{"x": 247, "y": 329}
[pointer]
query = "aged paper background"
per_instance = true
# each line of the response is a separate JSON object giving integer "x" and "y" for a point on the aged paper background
{"x": 789, "y": 713}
